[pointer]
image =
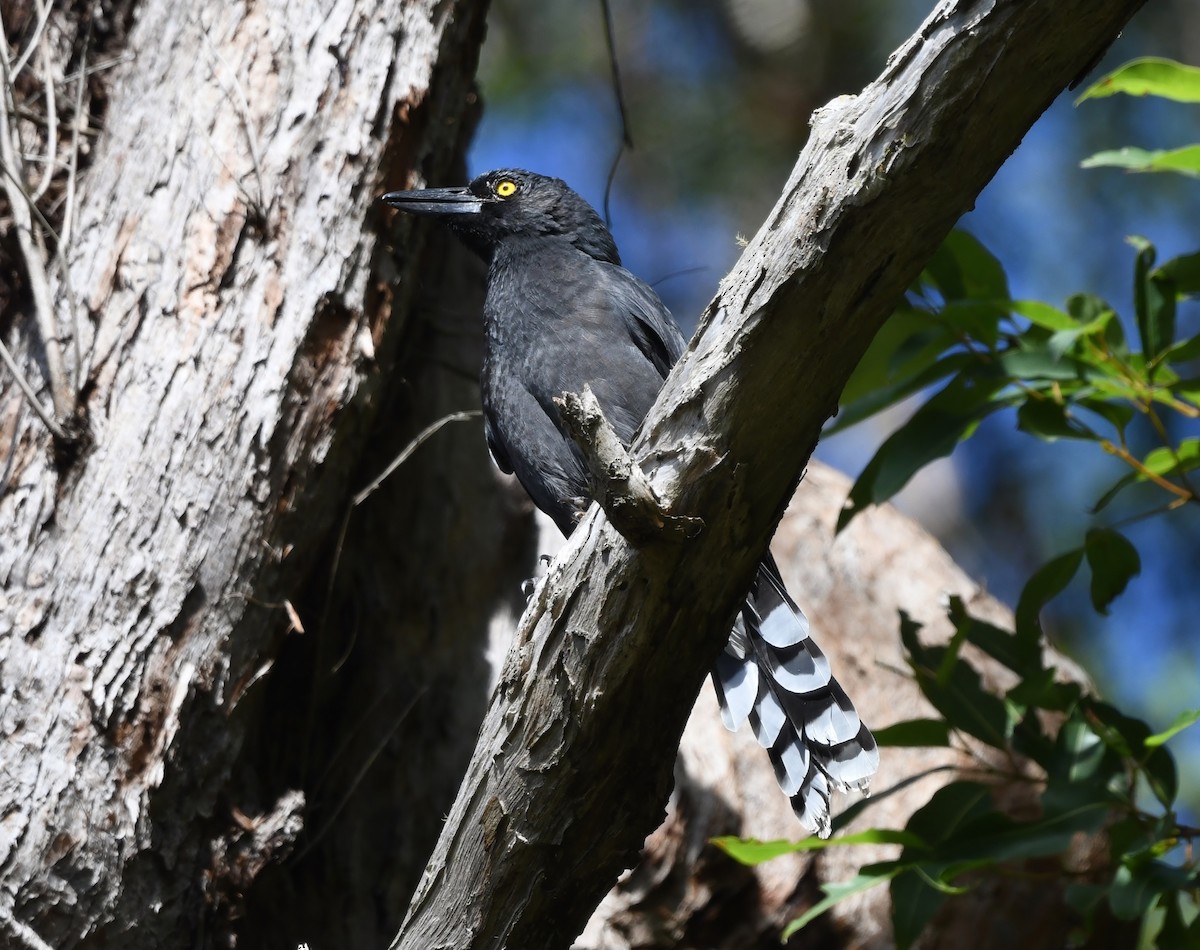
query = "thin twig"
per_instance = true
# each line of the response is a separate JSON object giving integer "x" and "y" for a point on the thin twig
{"x": 1123, "y": 453}
{"x": 626, "y": 136}
{"x": 68, "y": 219}
{"x": 366, "y": 493}
{"x": 412, "y": 446}
{"x": 10, "y": 460}
{"x": 21, "y": 204}
{"x": 44, "y": 9}
{"x": 100, "y": 66}
{"x": 30, "y": 395}
{"x": 1161, "y": 429}
{"x": 352, "y": 787}
{"x": 243, "y": 113}
{"x": 51, "y": 120}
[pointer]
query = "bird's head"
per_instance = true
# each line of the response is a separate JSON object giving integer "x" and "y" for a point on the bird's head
{"x": 510, "y": 203}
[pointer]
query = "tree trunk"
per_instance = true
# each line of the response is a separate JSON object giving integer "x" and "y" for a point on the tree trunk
{"x": 571, "y": 770}
{"x": 251, "y": 352}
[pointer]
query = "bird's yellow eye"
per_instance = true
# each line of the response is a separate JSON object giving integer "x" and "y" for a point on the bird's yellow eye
{"x": 506, "y": 188}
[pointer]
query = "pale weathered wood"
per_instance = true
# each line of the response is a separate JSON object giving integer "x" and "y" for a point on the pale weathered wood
{"x": 572, "y": 766}
{"x": 237, "y": 334}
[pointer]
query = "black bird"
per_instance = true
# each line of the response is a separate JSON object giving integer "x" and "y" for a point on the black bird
{"x": 560, "y": 312}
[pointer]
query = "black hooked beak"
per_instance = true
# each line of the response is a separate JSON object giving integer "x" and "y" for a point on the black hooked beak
{"x": 436, "y": 201}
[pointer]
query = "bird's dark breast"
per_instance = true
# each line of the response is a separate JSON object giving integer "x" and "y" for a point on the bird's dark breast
{"x": 550, "y": 332}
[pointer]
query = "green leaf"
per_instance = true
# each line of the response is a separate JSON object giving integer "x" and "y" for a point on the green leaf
{"x": 1153, "y": 301}
{"x": 1183, "y": 272}
{"x": 851, "y": 812}
{"x": 1038, "y": 362}
{"x": 1118, "y": 414}
{"x": 915, "y": 898}
{"x": 1080, "y": 757}
{"x": 1115, "y": 489}
{"x": 1174, "y": 459}
{"x": 1047, "y": 583}
{"x": 1127, "y": 737}
{"x": 913, "y": 733}
{"x": 931, "y": 433}
{"x": 1039, "y": 689}
{"x": 909, "y": 340}
{"x": 751, "y": 851}
{"x": 1029, "y": 739}
{"x": 1165, "y": 461}
{"x": 835, "y": 893}
{"x": 1182, "y": 721}
{"x": 1148, "y": 76}
{"x": 958, "y": 696}
{"x": 1135, "y": 889}
{"x": 1049, "y": 420}
{"x": 996, "y": 838}
{"x": 1044, "y": 315}
{"x": 1121, "y": 733}
{"x": 1082, "y": 898}
{"x": 1184, "y": 351}
{"x": 914, "y": 902}
{"x": 1188, "y": 389}
{"x": 1022, "y": 655}
{"x": 884, "y": 396}
{"x": 962, "y": 268}
{"x": 948, "y": 809}
{"x": 1174, "y": 932}
{"x": 1184, "y": 161}
{"x": 978, "y": 319}
{"x": 1114, "y": 562}
{"x": 1161, "y": 775}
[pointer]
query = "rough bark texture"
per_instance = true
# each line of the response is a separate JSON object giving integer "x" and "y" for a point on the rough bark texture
{"x": 571, "y": 770}
{"x": 241, "y": 343}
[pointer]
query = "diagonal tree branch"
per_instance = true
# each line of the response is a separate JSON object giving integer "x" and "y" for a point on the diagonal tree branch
{"x": 573, "y": 763}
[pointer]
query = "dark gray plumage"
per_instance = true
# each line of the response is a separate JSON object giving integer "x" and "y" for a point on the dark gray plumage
{"x": 562, "y": 312}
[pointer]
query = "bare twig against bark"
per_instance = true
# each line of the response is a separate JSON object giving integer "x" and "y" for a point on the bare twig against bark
{"x": 619, "y": 484}
{"x": 573, "y": 763}
{"x": 32, "y": 252}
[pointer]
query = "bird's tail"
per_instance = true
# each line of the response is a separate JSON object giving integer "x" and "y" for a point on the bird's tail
{"x": 772, "y": 673}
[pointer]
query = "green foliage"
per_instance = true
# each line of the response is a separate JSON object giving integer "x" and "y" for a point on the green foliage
{"x": 1149, "y": 77}
{"x": 1184, "y": 160}
{"x": 1074, "y": 372}
{"x": 1070, "y": 373}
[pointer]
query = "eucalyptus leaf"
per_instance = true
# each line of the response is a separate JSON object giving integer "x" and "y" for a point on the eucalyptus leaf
{"x": 1184, "y": 161}
{"x": 1183, "y": 272}
{"x": 1148, "y": 76}
{"x": 931, "y": 433}
{"x": 914, "y": 733}
{"x": 1047, "y": 582}
{"x": 1114, "y": 562}
{"x": 1182, "y": 721}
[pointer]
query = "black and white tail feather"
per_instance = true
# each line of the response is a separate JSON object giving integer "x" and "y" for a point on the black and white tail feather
{"x": 772, "y": 673}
